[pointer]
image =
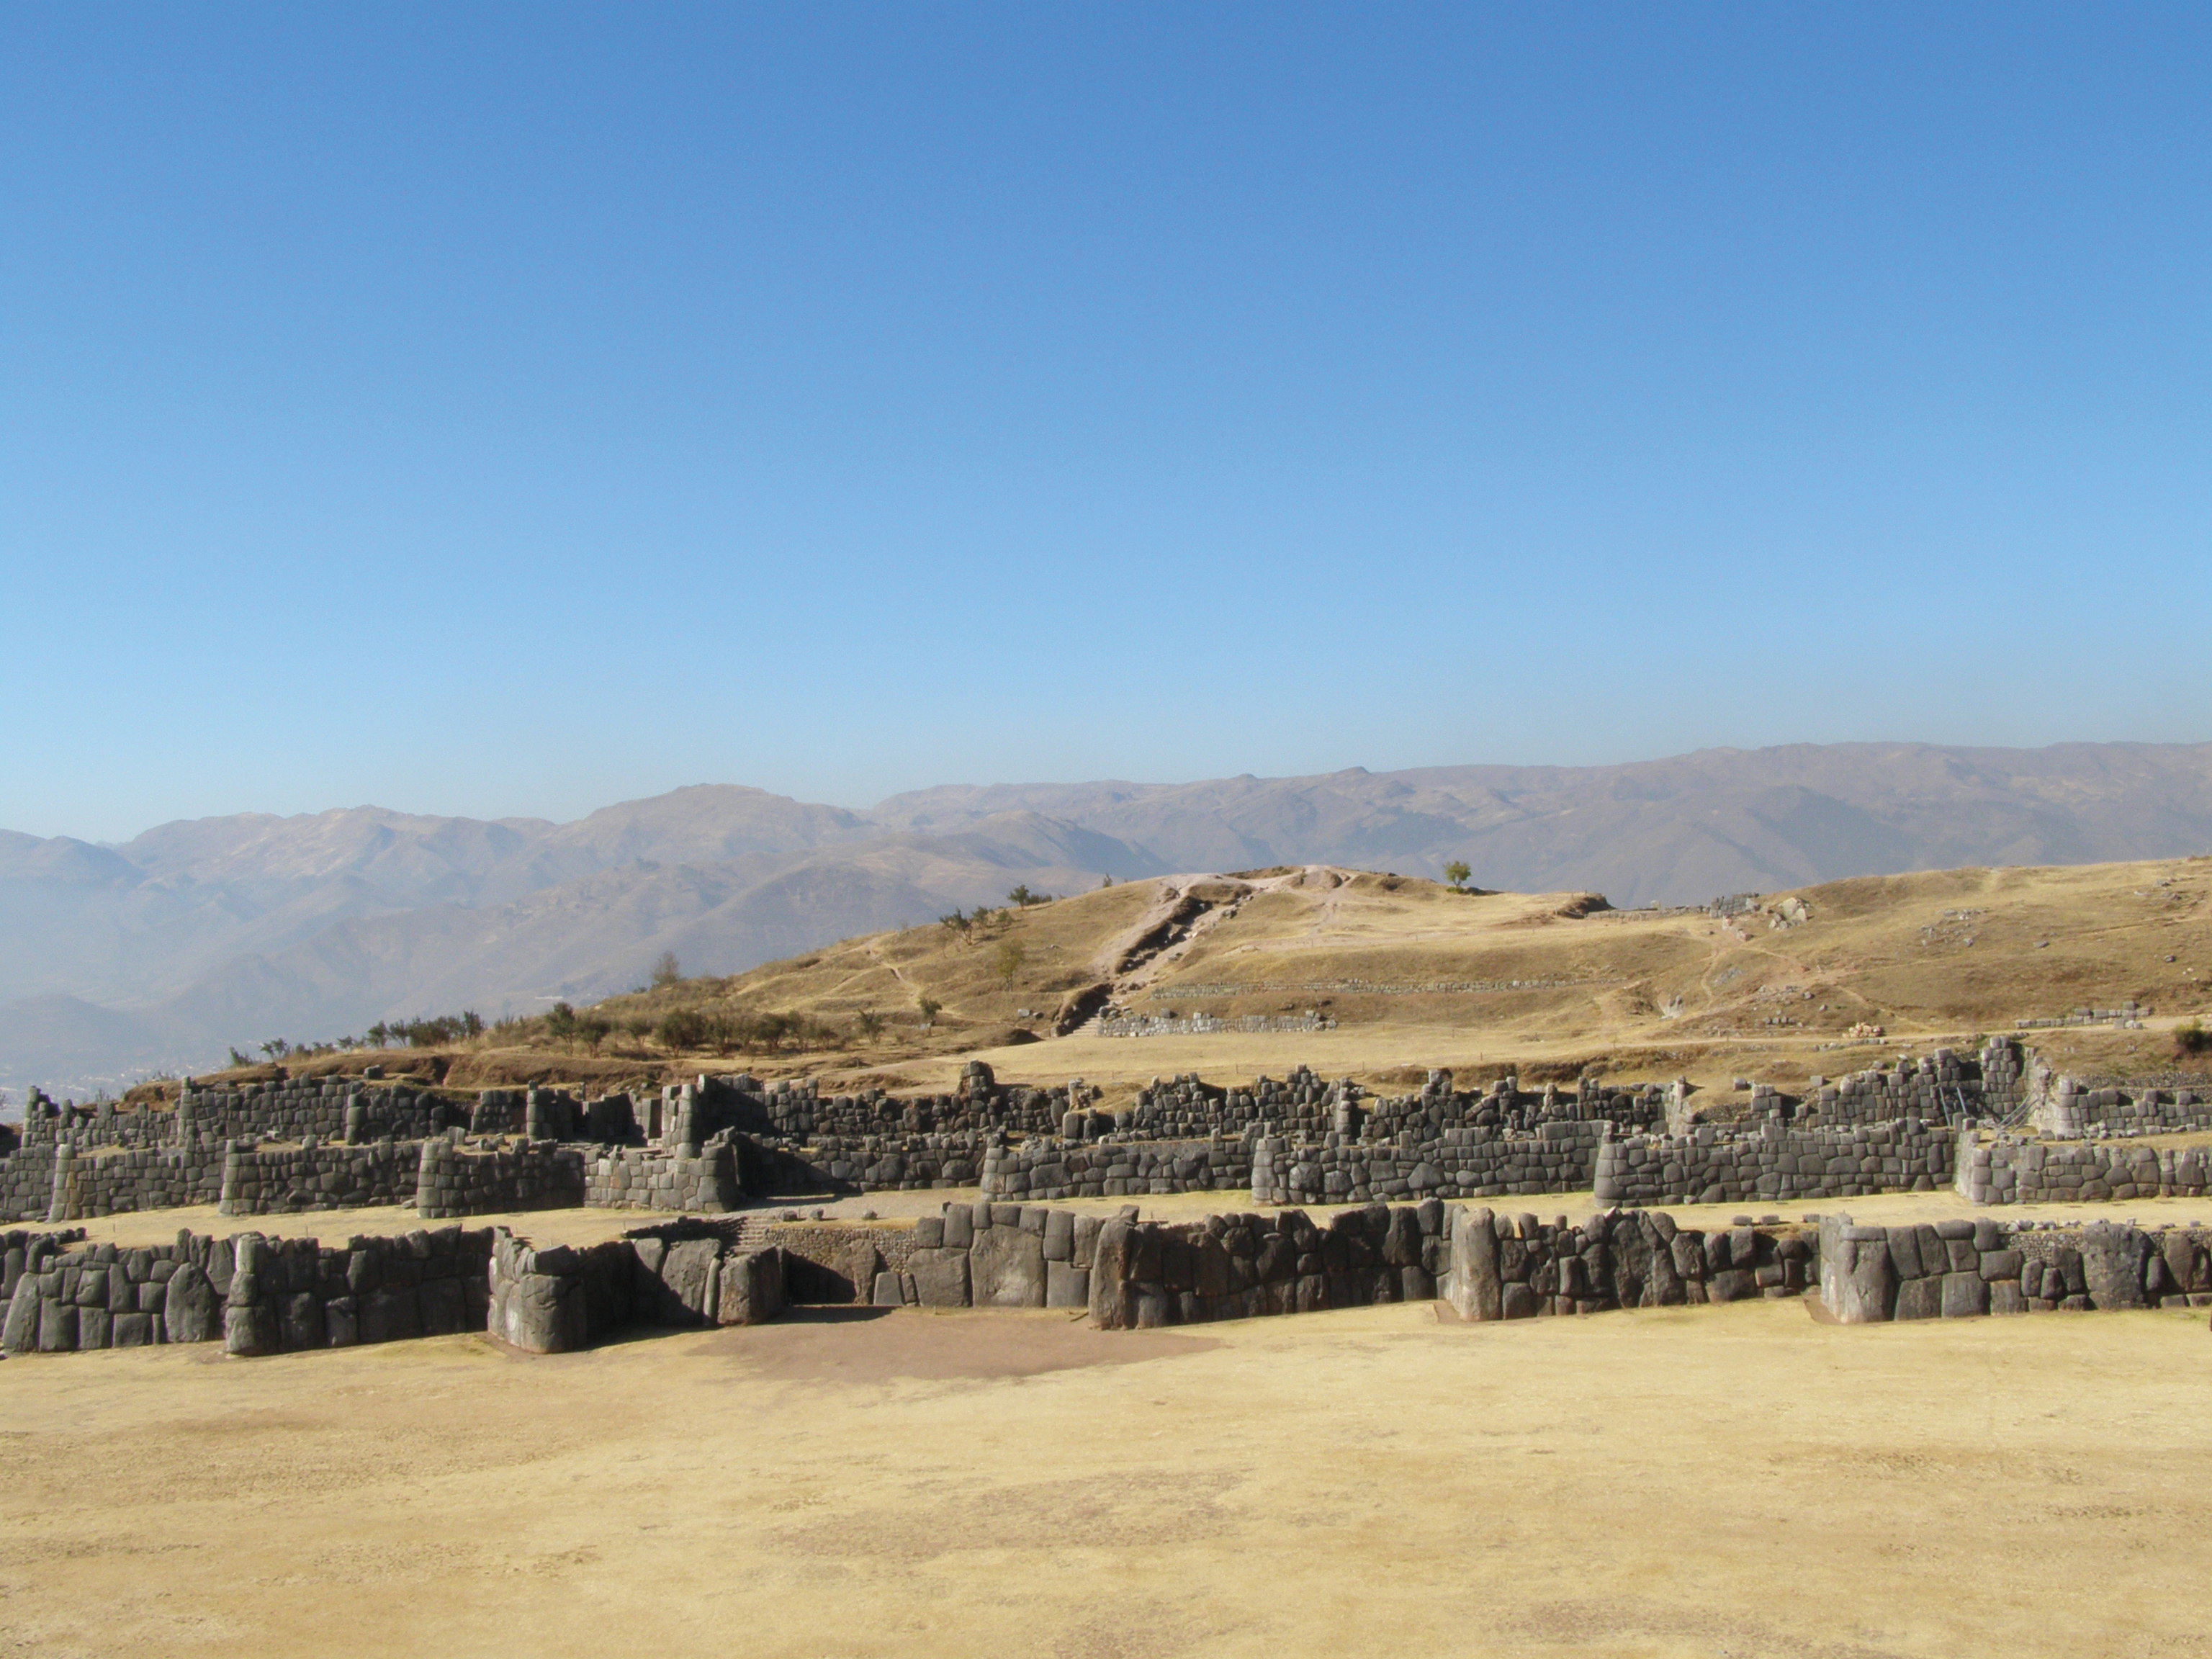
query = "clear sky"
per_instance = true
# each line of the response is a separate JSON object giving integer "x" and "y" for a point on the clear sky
{"x": 492, "y": 409}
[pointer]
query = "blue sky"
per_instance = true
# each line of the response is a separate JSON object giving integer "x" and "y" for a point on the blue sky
{"x": 512, "y": 410}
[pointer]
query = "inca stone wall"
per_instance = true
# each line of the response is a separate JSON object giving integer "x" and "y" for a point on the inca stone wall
{"x": 1556, "y": 1157}
{"x": 2069, "y": 1108}
{"x": 1960, "y": 1268}
{"x": 1246, "y": 1266}
{"x": 89, "y": 1184}
{"x": 1937, "y": 1088}
{"x": 1052, "y": 1167}
{"x": 256, "y": 1295}
{"x": 2015, "y": 1171}
{"x": 290, "y": 1181}
{"x": 643, "y": 1178}
{"x": 1774, "y": 1162}
{"x": 455, "y": 1179}
{"x": 1521, "y": 1267}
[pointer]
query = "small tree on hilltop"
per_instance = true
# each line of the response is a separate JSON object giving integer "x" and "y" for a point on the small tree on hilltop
{"x": 929, "y": 1007}
{"x": 666, "y": 970}
{"x": 1456, "y": 873}
{"x": 1006, "y": 961}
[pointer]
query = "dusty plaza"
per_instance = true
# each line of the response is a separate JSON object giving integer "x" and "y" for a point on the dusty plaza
{"x": 1740, "y": 1480}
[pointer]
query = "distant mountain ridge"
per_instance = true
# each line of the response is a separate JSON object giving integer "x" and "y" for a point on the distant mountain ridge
{"x": 207, "y": 931}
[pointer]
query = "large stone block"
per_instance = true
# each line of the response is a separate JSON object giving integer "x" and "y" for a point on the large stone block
{"x": 1006, "y": 1268}
{"x": 249, "y": 1328}
{"x": 1059, "y": 1235}
{"x": 538, "y": 1313}
{"x": 190, "y": 1309}
{"x": 2112, "y": 1264}
{"x": 389, "y": 1316}
{"x": 19, "y": 1332}
{"x": 752, "y": 1290}
{"x": 940, "y": 1278}
{"x": 1067, "y": 1285}
{"x": 1966, "y": 1295}
{"x": 1113, "y": 1299}
{"x": 444, "y": 1307}
{"x": 299, "y": 1321}
{"x": 1473, "y": 1284}
{"x": 689, "y": 1272}
{"x": 1920, "y": 1298}
{"x": 135, "y": 1330}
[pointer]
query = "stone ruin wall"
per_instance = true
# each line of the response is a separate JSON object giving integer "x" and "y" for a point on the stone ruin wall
{"x": 2012, "y": 1171}
{"x": 1960, "y": 1268}
{"x": 700, "y": 1147}
{"x": 1774, "y": 1162}
{"x": 260, "y": 1294}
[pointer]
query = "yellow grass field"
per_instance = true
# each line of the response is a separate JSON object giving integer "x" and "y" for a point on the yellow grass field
{"x": 1725, "y": 1480}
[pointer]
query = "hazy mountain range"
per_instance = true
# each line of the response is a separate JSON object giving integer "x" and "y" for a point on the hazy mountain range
{"x": 166, "y": 949}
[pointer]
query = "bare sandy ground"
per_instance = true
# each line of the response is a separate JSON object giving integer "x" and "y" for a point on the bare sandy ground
{"x": 1734, "y": 1481}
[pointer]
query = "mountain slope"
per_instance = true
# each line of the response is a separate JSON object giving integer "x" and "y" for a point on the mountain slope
{"x": 237, "y": 928}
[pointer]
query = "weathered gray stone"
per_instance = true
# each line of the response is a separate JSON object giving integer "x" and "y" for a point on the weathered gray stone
{"x": 1473, "y": 1284}
{"x": 134, "y": 1330}
{"x": 299, "y": 1321}
{"x": 2112, "y": 1263}
{"x": 753, "y": 1288}
{"x": 1059, "y": 1235}
{"x": 249, "y": 1328}
{"x": 342, "y": 1322}
{"x": 1905, "y": 1251}
{"x": 1921, "y": 1298}
{"x": 1966, "y": 1295}
{"x": 940, "y": 1278}
{"x": 887, "y": 1292}
{"x": 1067, "y": 1285}
{"x": 443, "y": 1306}
{"x": 19, "y": 1334}
{"x": 389, "y": 1316}
{"x": 534, "y": 1312}
{"x": 689, "y": 1270}
{"x": 1113, "y": 1303}
{"x": 191, "y": 1310}
{"x": 1006, "y": 1268}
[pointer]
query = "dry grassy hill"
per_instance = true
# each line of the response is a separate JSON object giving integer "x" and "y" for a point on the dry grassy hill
{"x": 1414, "y": 973}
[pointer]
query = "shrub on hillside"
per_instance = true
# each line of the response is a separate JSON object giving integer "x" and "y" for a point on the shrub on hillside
{"x": 684, "y": 1028}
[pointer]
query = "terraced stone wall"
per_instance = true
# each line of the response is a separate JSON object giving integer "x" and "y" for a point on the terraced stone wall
{"x": 456, "y": 1180}
{"x": 1774, "y": 1162}
{"x": 2015, "y": 1171}
{"x": 1960, "y": 1268}
{"x": 254, "y": 1294}
{"x": 1557, "y": 1157}
{"x": 290, "y": 1181}
{"x": 1054, "y": 1167}
{"x": 1522, "y": 1268}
